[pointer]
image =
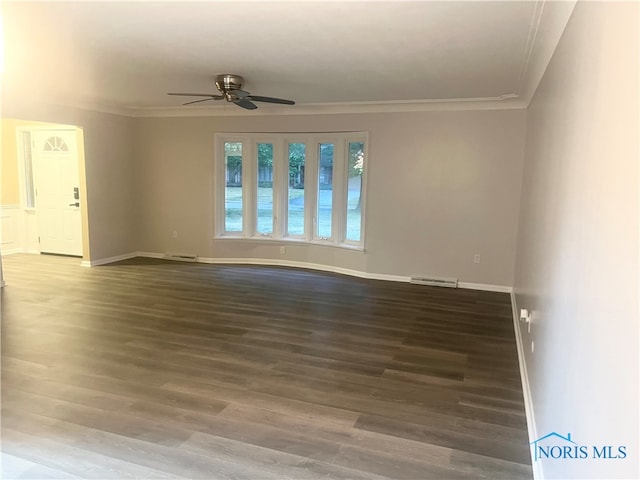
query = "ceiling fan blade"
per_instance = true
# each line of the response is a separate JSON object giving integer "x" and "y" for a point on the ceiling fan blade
{"x": 244, "y": 103}
{"x": 282, "y": 101}
{"x": 196, "y": 95}
{"x": 240, "y": 93}
{"x": 201, "y": 100}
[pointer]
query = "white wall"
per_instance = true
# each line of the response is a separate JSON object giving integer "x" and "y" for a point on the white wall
{"x": 577, "y": 254}
{"x": 442, "y": 186}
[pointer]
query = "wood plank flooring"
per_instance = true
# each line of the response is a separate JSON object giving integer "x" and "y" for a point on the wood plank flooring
{"x": 156, "y": 369}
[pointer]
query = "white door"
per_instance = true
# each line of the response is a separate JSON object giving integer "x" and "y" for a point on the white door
{"x": 57, "y": 182}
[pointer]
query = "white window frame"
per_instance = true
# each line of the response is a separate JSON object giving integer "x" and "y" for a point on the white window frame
{"x": 281, "y": 143}
{"x": 25, "y": 182}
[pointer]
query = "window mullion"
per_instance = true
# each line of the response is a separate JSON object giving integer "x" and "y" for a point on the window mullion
{"x": 311, "y": 189}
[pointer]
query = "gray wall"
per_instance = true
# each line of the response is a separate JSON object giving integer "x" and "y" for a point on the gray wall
{"x": 577, "y": 255}
{"x": 442, "y": 186}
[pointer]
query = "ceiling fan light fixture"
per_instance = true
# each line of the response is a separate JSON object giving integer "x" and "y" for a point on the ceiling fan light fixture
{"x": 228, "y": 82}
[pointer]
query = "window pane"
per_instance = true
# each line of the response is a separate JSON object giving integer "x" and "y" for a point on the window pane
{"x": 325, "y": 189}
{"x": 233, "y": 187}
{"x": 295, "y": 222}
{"x": 354, "y": 190}
{"x": 265, "y": 188}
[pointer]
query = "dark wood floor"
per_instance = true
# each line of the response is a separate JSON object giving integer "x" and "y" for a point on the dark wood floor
{"x": 154, "y": 369}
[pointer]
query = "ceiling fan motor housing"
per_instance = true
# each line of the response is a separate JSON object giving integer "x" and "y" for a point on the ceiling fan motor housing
{"x": 228, "y": 82}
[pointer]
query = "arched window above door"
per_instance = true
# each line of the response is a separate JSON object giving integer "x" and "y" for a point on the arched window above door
{"x": 55, "y": 144}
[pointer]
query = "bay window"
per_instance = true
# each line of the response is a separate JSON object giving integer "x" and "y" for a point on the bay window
{"x": 291, "y": 187}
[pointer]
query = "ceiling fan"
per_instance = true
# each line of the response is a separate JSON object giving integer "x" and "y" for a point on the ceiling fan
{"x": 230, "y": 88}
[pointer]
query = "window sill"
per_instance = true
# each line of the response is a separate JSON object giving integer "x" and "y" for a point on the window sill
{"x": 292, "y": 241}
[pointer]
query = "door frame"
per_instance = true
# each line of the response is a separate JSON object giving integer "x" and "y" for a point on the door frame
{"x": 30, "y": 220}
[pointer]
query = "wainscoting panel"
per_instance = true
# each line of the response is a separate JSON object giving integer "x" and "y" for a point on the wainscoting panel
{"x": 10, "y": 222}
{"x": 18, "y": 230}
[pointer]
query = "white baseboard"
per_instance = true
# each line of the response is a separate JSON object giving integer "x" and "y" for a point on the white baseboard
{"x": 104, "y": 261}
{"x": 487, "y": 287}
{"x": 526, "y": 389}
{"x": 291, "y": 263}
{"x": 150, "y": 255}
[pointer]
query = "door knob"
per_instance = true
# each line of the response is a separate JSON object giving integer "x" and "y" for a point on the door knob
{"x": 77, "y": 204}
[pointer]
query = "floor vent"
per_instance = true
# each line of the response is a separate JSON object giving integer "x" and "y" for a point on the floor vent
{"x": 436, "y": 282}
{"x": 180, "y": 257}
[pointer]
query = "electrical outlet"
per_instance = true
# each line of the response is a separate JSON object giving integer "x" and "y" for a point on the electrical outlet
{"x": 175, "y": 234}
{"x": 476, "y": 258}
{"x": 283, "y": 250}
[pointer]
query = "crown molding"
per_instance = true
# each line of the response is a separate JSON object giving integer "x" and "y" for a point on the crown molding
{"x": 547, "y": 25}
{"x": 503, "y": 102}
{"x": 510, "y": 101}
{"x": 18, "y": 102}
{"x": 534, "y": 27}
{"x": 102, "y": 108}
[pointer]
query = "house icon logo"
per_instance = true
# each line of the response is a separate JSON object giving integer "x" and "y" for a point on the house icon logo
{"x": 541, "y": 450}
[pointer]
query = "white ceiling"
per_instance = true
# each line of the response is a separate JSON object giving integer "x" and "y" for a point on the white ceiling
{"x": 128, "y": 55}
